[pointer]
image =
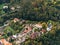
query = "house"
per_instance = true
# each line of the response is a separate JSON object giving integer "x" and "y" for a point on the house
{"x": 14, "y": 36}
{"x": 4, "y": 42}
{"x": 43, "y": 31}
{"x": 34, "y": 35}
{"x": 27, "y": 29}
{"x": 4, "y": 7}
{"x": 16, "y": 20}
{"x": 49, "y": 27}
{"x": 27, "y": 26}
{"x": 20, "y": 40}
{"x": 12, "y": 8}
{"x": 23, "y": 39}
{"x": 38, "y": 26}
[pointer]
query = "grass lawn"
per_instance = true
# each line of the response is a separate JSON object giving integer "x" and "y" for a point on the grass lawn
{"x": 1, "y": 7}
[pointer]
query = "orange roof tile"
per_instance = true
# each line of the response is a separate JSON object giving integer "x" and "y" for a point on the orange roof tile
{"x": 5, "y": 42}
{"x": 43, "y": 30}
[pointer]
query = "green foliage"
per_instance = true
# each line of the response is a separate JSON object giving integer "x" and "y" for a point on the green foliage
{"x": 9, "y": 31}
{"x": 46, "y": 39}
{"x": 16, "y": 26}
{"x": 38, "y": 10}
{"x": 1, "y": 21}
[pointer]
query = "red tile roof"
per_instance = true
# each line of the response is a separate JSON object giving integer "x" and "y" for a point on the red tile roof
{"x": 27, "y": 29}
{"x": 33, "y": 35}
{"x": 5, "y": 42}
{"x": 43, "y": 30}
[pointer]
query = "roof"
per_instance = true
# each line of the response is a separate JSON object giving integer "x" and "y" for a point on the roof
{"x": 43, "y": 30}
{"x": 48, "y": 29}
{"x": 12, "y": 8}
{"x": 38, "y": 25}
{"x": 27, "y": 29}
{"x": 16, "y": 19}
{"x": 5, "y": 7}
{"x": 34, "y": 35}
{"x": 3, "y": 41}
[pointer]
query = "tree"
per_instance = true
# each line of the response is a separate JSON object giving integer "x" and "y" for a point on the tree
{"x": 9, "y": 31}
{"x": 1, "y": 21}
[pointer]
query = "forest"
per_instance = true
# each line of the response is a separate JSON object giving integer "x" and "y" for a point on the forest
{"x": 26, "y": 12}
{"x": 31, "y": 10}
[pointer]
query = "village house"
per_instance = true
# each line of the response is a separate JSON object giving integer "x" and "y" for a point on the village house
{"x": 49, "y": 27}
{"x": 5, "y": 7}
{"x": 14, "y": 36}
{"x": 43, "y": 31}
{"x": 27, "y": 29}
{"x": 12, "y": 8}
{"x": 34, "y": 35}
{"x": 4, "y": 42}
{"x": 16, "y": 20}
{"x": 38, "y": 26}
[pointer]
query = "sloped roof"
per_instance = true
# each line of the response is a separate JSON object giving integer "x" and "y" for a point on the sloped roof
{"x": 3, "y": 41}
